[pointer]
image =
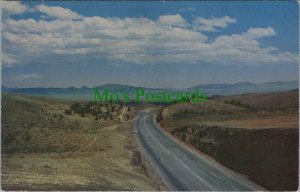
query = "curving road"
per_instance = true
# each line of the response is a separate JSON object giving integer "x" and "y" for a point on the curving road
{"x": 180, "y": 168}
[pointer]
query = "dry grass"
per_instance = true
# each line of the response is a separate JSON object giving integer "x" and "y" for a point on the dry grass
{"x": 44, "y": 149}
{"x": 287, "y": 101}
{"x": 273, "y": 114}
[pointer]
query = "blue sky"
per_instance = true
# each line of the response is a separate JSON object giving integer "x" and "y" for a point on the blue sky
{"x": 154, "y": 44}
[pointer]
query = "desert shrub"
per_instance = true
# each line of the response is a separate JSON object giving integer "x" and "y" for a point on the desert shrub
{"x": 239, "y": 104}
{"x": 113, "y": 108}
{"x": 94, "y": 109}
{"x": 159, "y": 116}
{"x": 8, "y": 138}
{"x": 76, "y": 107}
{"x": 68, "y": 112}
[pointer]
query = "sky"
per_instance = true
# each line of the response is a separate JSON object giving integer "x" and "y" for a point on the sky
{"x": 154, "y": 44}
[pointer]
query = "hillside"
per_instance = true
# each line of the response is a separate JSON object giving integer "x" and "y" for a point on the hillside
{"x": 253, "y": 134}
{"x": 43, "y": 148}
{"x": 264, "y": 110}
{"x": 267, "y": 101}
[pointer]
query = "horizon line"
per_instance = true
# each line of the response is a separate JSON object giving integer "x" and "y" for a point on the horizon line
{"x": 106, "y": 84}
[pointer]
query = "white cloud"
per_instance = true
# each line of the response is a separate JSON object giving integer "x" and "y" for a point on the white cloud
{"x": 25, "y": 77}
{"x": 172, "y": 20}
{"x": 57, "y": 12}
{"x": 8, "y": 60}
{"x": 167, "y": 40}
{"x": 12, "y": 8}
{"x": 256, "y": 33}
{"x": 212, "y": 24}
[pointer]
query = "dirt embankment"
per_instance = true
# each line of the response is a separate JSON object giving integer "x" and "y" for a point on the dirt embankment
{"x": 253, "y": 134}
{"x": 268, "y": 157}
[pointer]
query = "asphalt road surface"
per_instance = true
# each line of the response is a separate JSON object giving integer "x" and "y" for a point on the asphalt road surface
{"x": 180, "y": 168}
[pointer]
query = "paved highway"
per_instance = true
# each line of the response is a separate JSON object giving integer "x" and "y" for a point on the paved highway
{"x": 180, "y": 168}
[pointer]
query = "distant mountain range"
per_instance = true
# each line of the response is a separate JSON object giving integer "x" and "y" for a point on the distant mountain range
{"x": 86, "y": 93}
{"x": 246, "y": 87}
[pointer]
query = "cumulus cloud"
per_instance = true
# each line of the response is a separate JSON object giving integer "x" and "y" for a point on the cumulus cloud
{"x": 169, "y": 39}
{"x": 57, "y": 12}
{"x": 12, "y": 8}
{"x": 256, "y": 33}
{"x": 8, "y": 60}
{"x": 212, "y": 24}
{"x": 172, "y": 20}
